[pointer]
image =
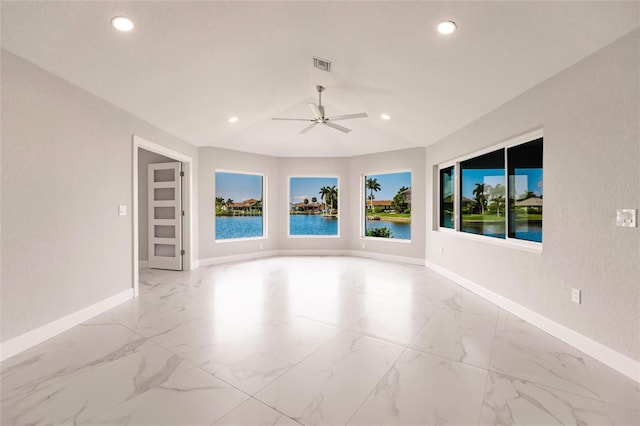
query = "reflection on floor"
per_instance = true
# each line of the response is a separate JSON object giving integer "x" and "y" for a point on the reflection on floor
{"x": 312, "y": 341}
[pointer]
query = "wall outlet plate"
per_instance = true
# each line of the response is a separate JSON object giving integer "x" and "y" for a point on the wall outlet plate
{"x": 627, "y": 218}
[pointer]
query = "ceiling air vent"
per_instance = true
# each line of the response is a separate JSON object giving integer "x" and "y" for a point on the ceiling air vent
{"x": 321, "y": 64}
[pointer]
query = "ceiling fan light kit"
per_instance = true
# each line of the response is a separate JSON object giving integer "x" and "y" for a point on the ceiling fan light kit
{"x": 319, "y": 114}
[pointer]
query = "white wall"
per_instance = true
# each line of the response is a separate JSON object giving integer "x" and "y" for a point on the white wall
{"x": 66, "y": 166}
{"x": 590, "y": 115}
{"x": 407, "y": 159}
{"x": 144, "y": 159}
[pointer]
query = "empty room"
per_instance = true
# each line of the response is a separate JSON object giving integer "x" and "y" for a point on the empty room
{"x": 320, "y": 213}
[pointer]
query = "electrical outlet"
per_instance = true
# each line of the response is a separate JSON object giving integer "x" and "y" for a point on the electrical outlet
{"x": 441, "y": 250}
{"x": 576, "y": 295}
{"x": 362, "y": 245}
{"x": 260, "y": 246}
{"x": 122, "y": 210}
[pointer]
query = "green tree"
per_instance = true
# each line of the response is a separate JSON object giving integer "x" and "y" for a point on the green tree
{"x": 480, "y": 196}
{"x": 398, "y": 203}
{"x": 229, "y": 204}
{"x": 324, "y": 193}
{"x": 372, "y": 185}
{"x": 219, "y": 203}
{"x": 497, "y": 197}
{"x": 383, "y": 232}
{"x": 526, "y": 195}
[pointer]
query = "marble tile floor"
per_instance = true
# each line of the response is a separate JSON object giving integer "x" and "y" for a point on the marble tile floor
{"x": 311, "y": 341}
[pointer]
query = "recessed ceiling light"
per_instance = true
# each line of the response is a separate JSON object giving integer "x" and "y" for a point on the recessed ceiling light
{"x": 122, "y": 23}
{"x": 446, "y": 27}
{"x": 233, "y": 119}
{"x": 385, "y": 116}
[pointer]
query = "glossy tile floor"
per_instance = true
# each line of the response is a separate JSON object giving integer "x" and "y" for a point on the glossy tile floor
{"x": 312, "y": 341}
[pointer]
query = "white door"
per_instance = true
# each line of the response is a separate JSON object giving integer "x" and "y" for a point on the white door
{"x": 165, "y": 216}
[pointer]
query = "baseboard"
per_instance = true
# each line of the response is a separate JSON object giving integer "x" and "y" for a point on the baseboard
{"x": 143, "y": 264}
{"x": 237, "y": 257}
{"x": 313, "y": 252}
{"x": 598, "y": 351}
{"x": 31, "y": 338}
{"x": 387, "y": 257}
{"x": 195, "y": 264}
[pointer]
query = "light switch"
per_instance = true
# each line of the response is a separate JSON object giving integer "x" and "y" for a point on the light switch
{"x": 627, "y": 218}
{"x": 122, "y": 210}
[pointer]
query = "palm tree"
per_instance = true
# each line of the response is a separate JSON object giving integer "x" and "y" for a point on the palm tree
{"x": 333, "y": 196}
{"x": 229, "y": 203}
{"x": 479, "y": 193}
{"x": 372, "y": 185}
{"x": 219, "y": 202}
{"x": 324, "y": 193}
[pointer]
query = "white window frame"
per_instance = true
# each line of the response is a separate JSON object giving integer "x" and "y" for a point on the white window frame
{"x": 311, "y": 176}
{"x": 530, "y": 246}
{"x": 363, "y": 209}
{"x": 264, "y": 205}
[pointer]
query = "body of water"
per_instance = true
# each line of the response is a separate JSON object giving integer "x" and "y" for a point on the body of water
{"x": 228, "y": 227}
{"x": 399, "y": 231}
{"x": 313, "y": 224}
{"x": 524, "y": 230}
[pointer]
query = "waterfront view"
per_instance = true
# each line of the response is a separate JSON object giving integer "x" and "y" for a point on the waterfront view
{"x": 313, "y": 206}
{"x": 387, "y": 206}
{"x": 238, "y": 201}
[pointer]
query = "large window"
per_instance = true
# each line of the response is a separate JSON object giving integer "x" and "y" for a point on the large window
{"x": 482, "y": 185}
{"x": 239, "y": 205}
{"x": 447, "y": 185}
{"x": 387, "y": 205}
{"x": 313, "y": 206}
{"x": 498, "y": 194}
{"x": 525, "y": 191}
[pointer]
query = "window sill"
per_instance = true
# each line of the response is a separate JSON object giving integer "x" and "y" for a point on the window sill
{"x": 528, "y": 246}
{"x": 239, "y": 240}
{"x": 390, "y": 240}
{"x": 313, "y": 236}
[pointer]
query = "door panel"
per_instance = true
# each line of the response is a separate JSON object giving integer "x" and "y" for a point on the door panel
{"x": 165, "y": 216}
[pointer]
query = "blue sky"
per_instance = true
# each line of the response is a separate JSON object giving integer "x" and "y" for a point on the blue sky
{"x": 525, "y": 180}
{"x": 308, "y": 187}
{"x": 238, "y": 186}
{"x": 389, "y": 184}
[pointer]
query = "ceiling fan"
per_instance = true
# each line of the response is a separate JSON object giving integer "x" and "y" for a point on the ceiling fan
{"x": 318, "y": 112}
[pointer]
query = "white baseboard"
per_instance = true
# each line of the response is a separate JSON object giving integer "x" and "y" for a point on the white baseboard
{"x": 313, "y": 252}
{"x": 620, "y": 362}
{"x": 272, "y": 253}
{"x": 143, "y": 264}
{"x": 31, "y": 338}
{"x": 237, "y": 257}
{"x": 195, "y": 264}
{"x": 388, "y": 257}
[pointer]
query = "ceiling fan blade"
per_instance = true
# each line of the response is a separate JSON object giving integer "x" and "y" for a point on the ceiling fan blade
{"x": 337, "y": 127}
{"x": 316, "y": 111}
{"x": 348, "y": 116}
{"x": 306, "y": 129}
{"x": 294, "y": 119}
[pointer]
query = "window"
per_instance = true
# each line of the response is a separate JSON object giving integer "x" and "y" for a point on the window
{"x": 483, "y": 187}
{"x": 498, "y": 194}
{"x": 313, "y": 206}
{"x": 239, "y": 205}
{"x": 387, "y": 205}
{"x": 447, "y": 180}
{"x": 525, "y": 191}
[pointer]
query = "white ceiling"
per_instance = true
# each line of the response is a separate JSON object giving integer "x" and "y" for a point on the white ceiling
{"x": 188, "y": 66}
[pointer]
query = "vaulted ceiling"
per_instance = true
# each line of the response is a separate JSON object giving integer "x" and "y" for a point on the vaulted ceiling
{"x": 189, "y": 66}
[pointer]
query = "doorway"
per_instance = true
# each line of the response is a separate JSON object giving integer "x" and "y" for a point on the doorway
{"x": 149, "y": 251}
